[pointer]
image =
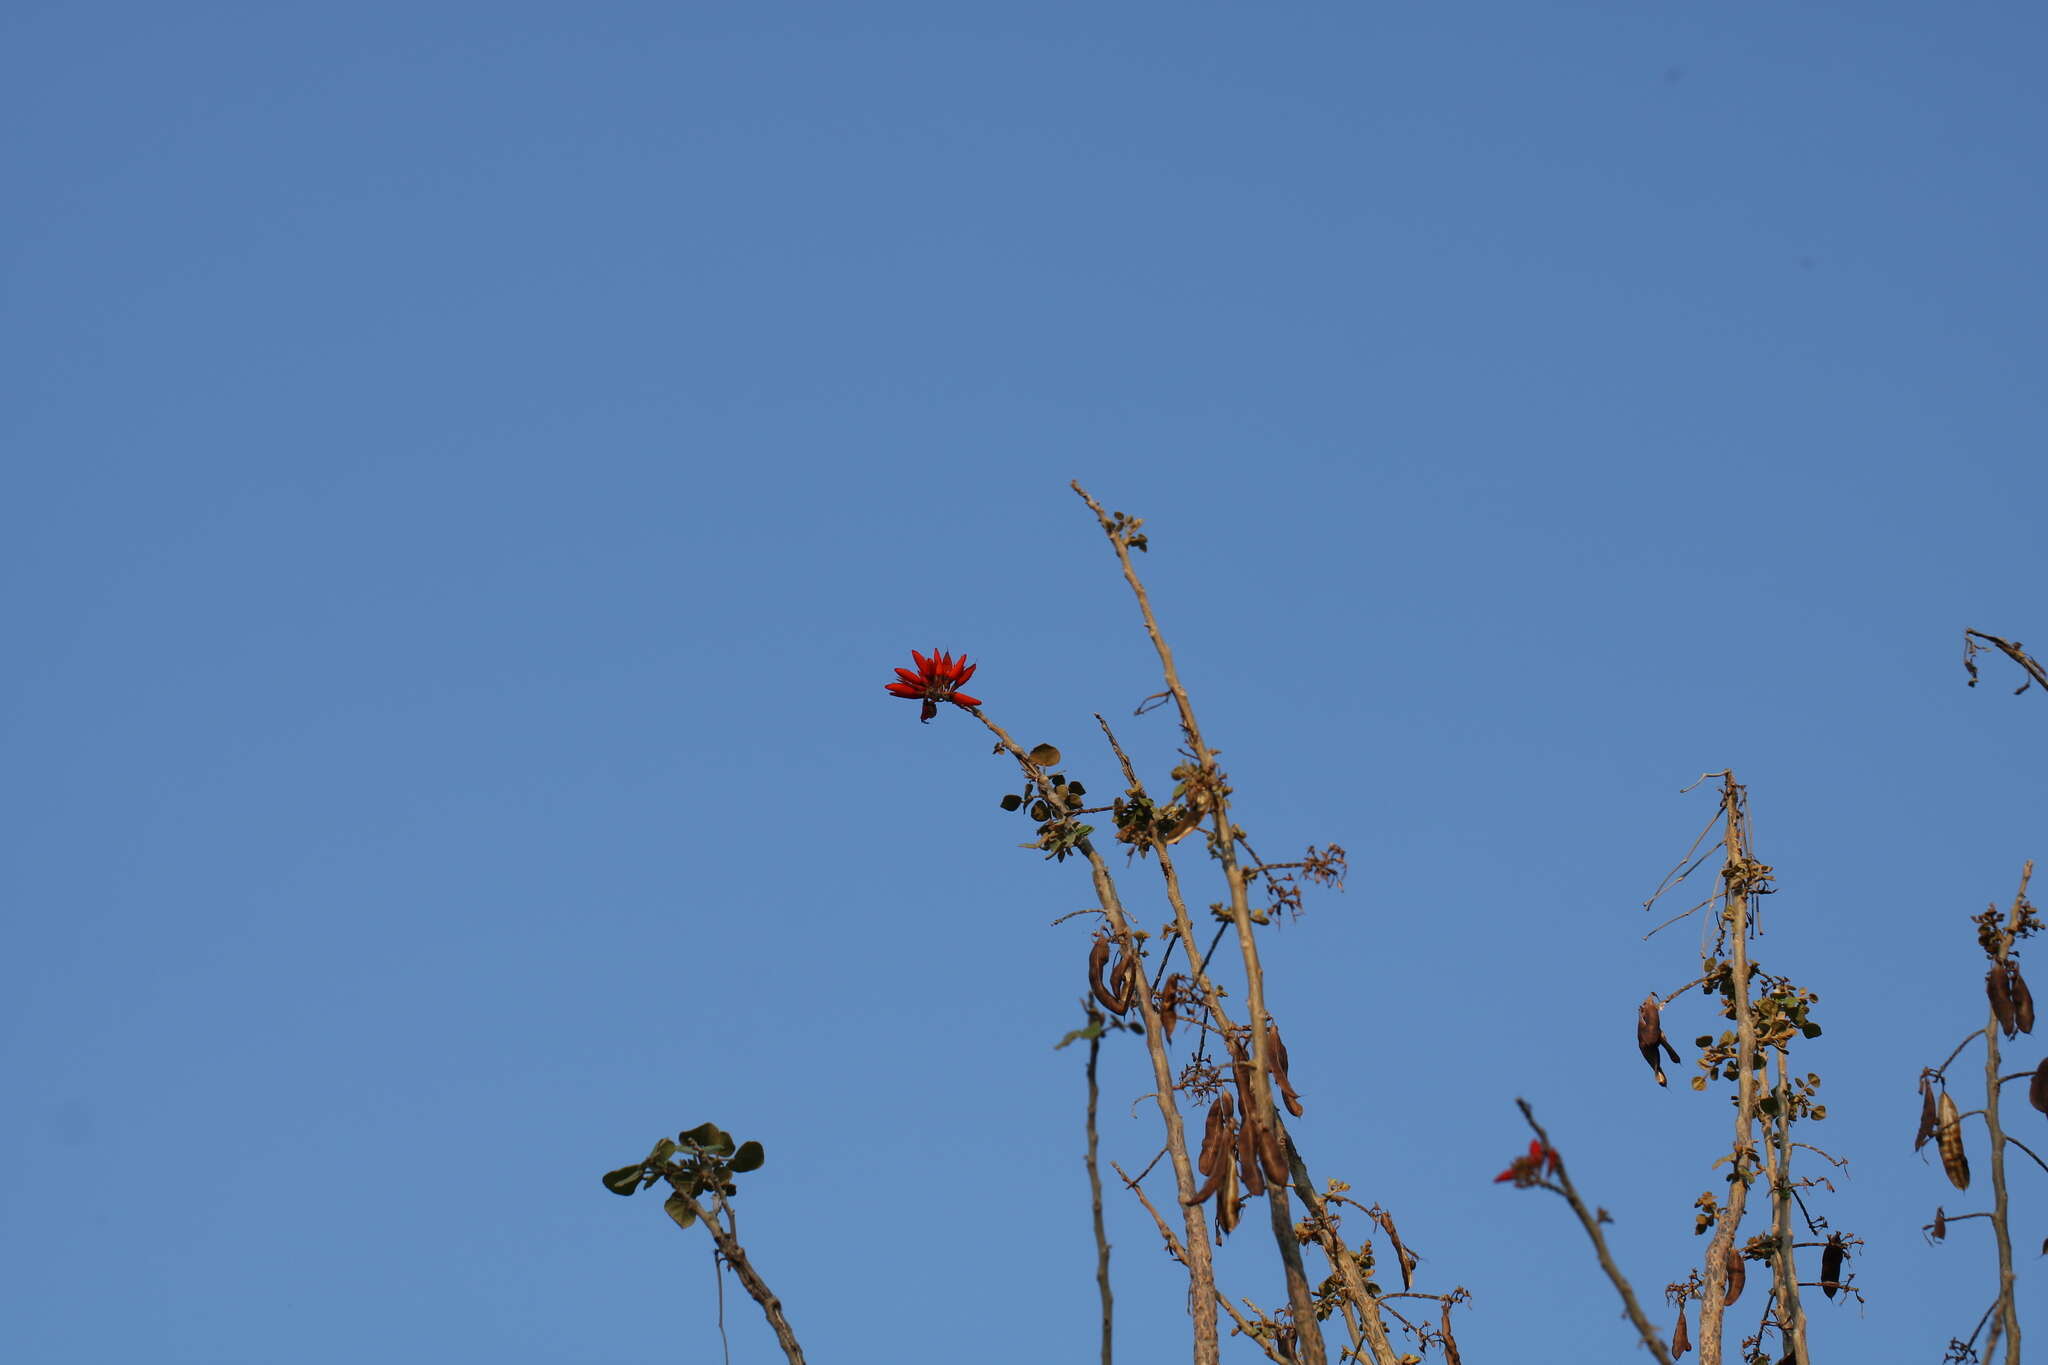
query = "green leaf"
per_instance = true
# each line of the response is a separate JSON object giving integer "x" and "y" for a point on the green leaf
{"x": 1079, "y": 1035}
{"x": 1810, "y": 1030}
{"x": 625, "y": 1180}
{"x": 748, "y": 1158}
{"x": 679, "y": 1209}
{"x": 663, "y": 1150}
{"x": 723, "y": 1146}
{"x": 701, "y": 1136}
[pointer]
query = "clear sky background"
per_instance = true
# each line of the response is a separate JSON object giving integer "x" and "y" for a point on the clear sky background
{"x": 470, "y": 469}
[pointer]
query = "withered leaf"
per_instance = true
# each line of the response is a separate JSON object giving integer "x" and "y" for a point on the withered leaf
{"x": 1926, "y": 1114}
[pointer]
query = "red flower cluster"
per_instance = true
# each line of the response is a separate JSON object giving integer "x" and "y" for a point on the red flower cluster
{"x": 1527, "y": 1170}
{"x": 937, "y": 679}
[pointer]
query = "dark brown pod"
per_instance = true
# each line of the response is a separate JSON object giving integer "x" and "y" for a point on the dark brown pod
{"x": 1098, "y": 958}
{"x": 2022, "y": 998}
{"x": 2037, "y": 1089}
{"x": 1738, "y": 1275}
{"x": 1940, "y": 1224}
{"x": 1680, "y": 1342}
{"x": 1997, "y": 986}
{"x": 1831, "y": 1264}
{"x": 1926, "y": 1115}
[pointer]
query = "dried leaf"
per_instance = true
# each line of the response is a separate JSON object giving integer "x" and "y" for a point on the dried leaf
{"x": 1926, "y": 1114}
{"x": 1940, "y": 1224}
{"x": 2037, "y": 1089}
{"x": 1949, "y": 1138}
{"x": 2022, "y": 998}
{"x": 1680, "y": 1342}
{"x": 1738, "y": 1275}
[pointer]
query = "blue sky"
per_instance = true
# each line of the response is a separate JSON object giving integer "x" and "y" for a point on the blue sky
{"x": 472, "y": 468}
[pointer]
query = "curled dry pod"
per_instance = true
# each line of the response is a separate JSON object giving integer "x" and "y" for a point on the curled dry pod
{"x": 1738, "y": 1274}
{"x": 1831, "y": 1264}
{"x": 1680, "y": 1342}
{"x": 1098, "y": 958}
{"x": 1123, "y": 980}
{"x": 1926, "y": 1115}
{"x": 1948, "y": 1136}
{"x": 1999, "y": 989}
{"x": 2022, "y": 998}
{"x": 2037, "y": 1089}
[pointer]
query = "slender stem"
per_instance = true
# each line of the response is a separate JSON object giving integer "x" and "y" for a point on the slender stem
{"x": 1310, "y": 1347}
{"x": 2007, "y": 1317}
{"x": 1784, "y": 1269}
{"x": 1591, "y": 1224}
{"x": 2011, "y": 649}
{"x": 1096, "y": 1022}
{"x": 1736, "y": 874}
{"x": 750, "y": 1279}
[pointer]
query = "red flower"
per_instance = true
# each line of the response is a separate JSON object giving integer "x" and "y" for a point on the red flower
{"x": 1527, "y": 1170}
{"x": 937, "y": 679}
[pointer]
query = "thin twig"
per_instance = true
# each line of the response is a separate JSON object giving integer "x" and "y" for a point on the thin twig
{"x": 1564, "y": 1186}
{"x": 750, "y": 1279}
{"x": 1096, "y": 1022}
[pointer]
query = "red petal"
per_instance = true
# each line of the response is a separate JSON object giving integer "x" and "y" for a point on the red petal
{"x": 924, "y": 665}
{"x": 909, "y": 677}
{"x": 1508, "y": 1174}
{"x": 966, "y": 672}
{"x": 907, "y": 691}
{"x": 962, "y": 699}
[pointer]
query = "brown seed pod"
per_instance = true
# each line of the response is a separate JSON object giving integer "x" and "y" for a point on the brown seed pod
{"x": 1926, "y": 1115}
{"x": 1123, "y": 980}
{"x": 1997, "y": 986}
{"x": 2037, "y": 1089}
{"x": 1273, "y": 1156}
{"x": 1940, "y": 1224}
{"x": 1218, "y": 1138}
{"x": 1831, "y": 1264}
{"x": 1276, "y": 1057}
{"x": 2022, "y": 998}
{"x": 1680, "y": 1342}
{"x": 1098, "y": 958}
{"x": 1948, "y": 1136}
{"x": 1248, "y": 1157}
{"x": 1168, "y": 1001}
{"x": 1738, "y": 1275}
